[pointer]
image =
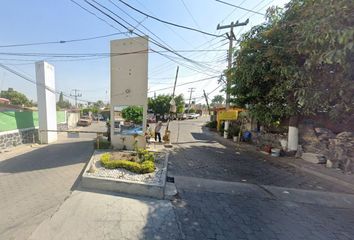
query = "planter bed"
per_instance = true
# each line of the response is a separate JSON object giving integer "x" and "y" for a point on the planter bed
{"x": 124, "y": 181}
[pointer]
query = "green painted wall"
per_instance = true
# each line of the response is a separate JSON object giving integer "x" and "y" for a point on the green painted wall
{"x": 12, "y": 120}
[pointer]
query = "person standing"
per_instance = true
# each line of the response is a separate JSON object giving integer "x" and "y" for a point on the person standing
{"x": 158, "y": 131}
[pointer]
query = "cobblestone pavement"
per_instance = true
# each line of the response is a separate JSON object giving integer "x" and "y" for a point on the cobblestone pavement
{"x": 211, "y": 215}
{"x": 34, "y": 182}
{"x": 250, "y": 210}
{"x": 198, "y": 154}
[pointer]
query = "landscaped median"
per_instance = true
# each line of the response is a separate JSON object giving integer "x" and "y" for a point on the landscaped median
{"x": 133, "y": 172}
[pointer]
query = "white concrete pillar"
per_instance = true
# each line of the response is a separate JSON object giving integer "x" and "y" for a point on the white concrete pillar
{"x": 129, "y": 73}
{"x": 293, "y": 138}
{"x": 47, "y": 114}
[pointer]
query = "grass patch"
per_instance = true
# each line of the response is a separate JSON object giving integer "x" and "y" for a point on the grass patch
{"x": 146, "y": 164}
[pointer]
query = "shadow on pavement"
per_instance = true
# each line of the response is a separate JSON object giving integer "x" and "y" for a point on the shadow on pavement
{"x": 156, "y": 218}
{"x": 210, "y": 159}
{"x": 51, "y": 156}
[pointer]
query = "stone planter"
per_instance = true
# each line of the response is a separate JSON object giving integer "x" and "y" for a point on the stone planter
{"x": 124, "y": 181}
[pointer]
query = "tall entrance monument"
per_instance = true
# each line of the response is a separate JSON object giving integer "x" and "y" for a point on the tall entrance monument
{"x": 129, "y": 73}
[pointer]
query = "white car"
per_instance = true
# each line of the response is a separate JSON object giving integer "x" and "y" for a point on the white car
{"x": 192, "y": 115}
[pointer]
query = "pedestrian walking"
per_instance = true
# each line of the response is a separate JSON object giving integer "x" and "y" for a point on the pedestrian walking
{"x": 158, "y": 130}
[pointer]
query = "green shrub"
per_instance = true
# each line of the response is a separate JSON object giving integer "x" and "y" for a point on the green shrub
{"x": 211, "y": 124}
{"x": 145, "y": 155}
{"x": 146, "y": 166}
{"x": 103, "y": 144}
{"x": 105, "y": 157}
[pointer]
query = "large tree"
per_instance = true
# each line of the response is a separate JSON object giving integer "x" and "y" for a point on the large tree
{"x": 161, "y": 104}
{"x": 16, "y": 98}
{"x": 298, "y": 62}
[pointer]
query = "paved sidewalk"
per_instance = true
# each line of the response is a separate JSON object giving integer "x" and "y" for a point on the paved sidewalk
{"x": 35, "y": 181}
{"x": 89, "y": 215}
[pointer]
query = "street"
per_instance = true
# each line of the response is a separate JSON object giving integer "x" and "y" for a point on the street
{"x": 217, "y": 201}
{"x": 223, "y": 193}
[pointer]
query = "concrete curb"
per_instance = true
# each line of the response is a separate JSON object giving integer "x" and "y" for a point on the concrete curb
{"x": 328, "y": 199}
{"x": 302, "y": 167}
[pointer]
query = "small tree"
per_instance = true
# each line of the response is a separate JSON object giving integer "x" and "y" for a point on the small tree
{"x": 133, "y": 113}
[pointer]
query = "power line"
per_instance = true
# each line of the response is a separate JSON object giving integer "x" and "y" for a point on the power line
{"x": 248, "y": 10}
{"x": 199, "y": 80}
{"x": 103, "y": 54}
{"x": 76, "y": 94}
{"x": 61, "y": 41}
{"x": 94, "y": 14}
{"x": 36, "y": 83}
{"x": 166, "y": 22}
{"x": 190, "y": 14}
{"x": 152, "y": 40}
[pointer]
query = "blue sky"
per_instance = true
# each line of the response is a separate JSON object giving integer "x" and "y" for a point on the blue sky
{"x": 41, "y": 21}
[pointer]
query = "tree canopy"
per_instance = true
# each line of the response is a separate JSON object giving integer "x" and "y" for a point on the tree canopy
{"x": 16, "y": 98}
{"x": 217, "y": 100}
{"x": 161, "y": 104}
{"x": 133, "y": 113}
{"x": 298, "y": 62}
{"x": 63, "y": 104}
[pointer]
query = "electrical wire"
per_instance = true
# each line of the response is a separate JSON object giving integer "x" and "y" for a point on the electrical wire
{"x": 166, "y": 22}
{"x": 245, "y": 9}
{"x": 182, "y": 84}
{"x": 36, "y": 83}
{"x": 119, "y": 24}
{"x": 61, "y": 41}
{"x": 152, "y": 40}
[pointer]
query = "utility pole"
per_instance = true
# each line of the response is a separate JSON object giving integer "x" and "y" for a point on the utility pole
{"x": 206, "y": 99}
{"x": 173, "y": 109}
{"x": 231, "y": 38}
{"x": 174, "y": 86}
{"x": 75, "y": 95}
{"x": 191, "y": 90}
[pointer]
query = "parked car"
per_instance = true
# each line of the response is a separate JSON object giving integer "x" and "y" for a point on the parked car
{"x": 181, "y": 116}
{"x": 84, "y": 121}
{"x": 192, "y": 115}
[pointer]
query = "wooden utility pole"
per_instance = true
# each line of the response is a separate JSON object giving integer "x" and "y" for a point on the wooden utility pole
{"x": 206, "y": 99}
{"x": 75, "y": 95}
{"x": 166, "y": 137}
{"x": 191, "y": 90}
{"x": 231, "y": 38}
{"x": 174, "y": 86}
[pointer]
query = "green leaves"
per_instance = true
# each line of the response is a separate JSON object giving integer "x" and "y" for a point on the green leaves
{"x": 16, "y": 98}
{"x": 161, "y": 104}
{"x": 133, "y": 113}
{"x": 298, "y": 61}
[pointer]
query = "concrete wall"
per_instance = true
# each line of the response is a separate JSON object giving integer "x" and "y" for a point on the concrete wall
{"x": 72, "y": 119}
{"x": 129, "y": 83}
{"x": 14, "y": 138}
